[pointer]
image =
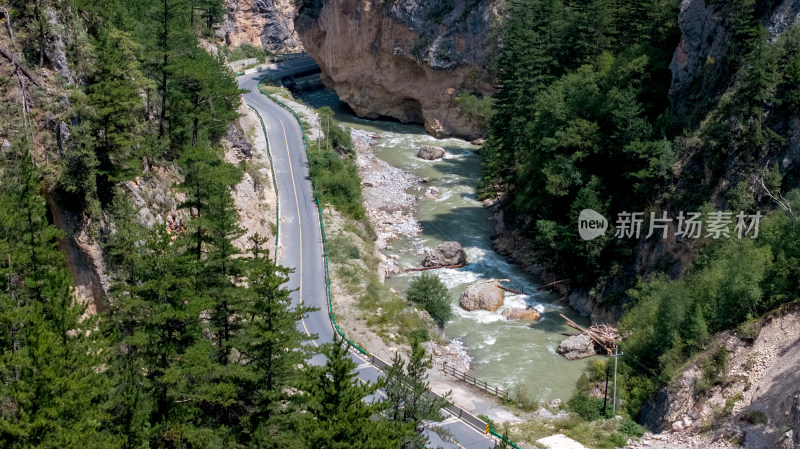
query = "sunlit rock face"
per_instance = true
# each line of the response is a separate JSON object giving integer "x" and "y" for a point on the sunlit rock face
{"x": 407, "y": 60}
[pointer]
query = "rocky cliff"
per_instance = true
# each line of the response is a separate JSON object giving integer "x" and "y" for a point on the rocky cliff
{"x": 698, "y": 65}
{"x": 406, "y": 60}
{"x": 263, "y": 23}
{"x": 756, "y": 396}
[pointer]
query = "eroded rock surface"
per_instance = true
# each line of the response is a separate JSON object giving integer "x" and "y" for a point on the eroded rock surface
{"x": 523, "y": 314}
{"x": 263, "y": 23}
{"x": 406, "y": 59}
{"x": 444, "y": 255}
{"x": 482, "y": 296}
{"x": 430, "y": 153}
{"x": 577, "y": 347}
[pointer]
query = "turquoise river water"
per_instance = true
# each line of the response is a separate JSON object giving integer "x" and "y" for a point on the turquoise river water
{"x": 506, "y": 353}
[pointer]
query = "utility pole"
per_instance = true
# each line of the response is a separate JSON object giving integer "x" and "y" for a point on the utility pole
{"x": 319, "y": 133}
{"x": 605, "y": 392}
{"x": 328, "y": 135}
{"x": 616, "y": 356}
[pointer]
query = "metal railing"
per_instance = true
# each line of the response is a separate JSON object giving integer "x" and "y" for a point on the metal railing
{"x": 477, "y": 383}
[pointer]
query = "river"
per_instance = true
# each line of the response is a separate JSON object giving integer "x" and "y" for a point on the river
{"x": 506, "y": 353}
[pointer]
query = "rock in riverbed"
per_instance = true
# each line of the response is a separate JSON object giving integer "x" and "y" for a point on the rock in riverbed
{"x": 430, "y": 153}
{"x": 431, "y": 193}
{"x": 526, "y": 314}
{"x": 482, "y": 296}
{"x": 446, "y": 254}
{"x": 577, "y": 347}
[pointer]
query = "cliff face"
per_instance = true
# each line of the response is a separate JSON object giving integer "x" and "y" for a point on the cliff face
{"x": 761, "y": 375}
{"x": 404, "y": 60}
{"x": 705, "y": 34}
{"x": 262, "y": 23}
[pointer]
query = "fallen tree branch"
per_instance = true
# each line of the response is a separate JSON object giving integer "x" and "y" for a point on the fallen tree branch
{"x": 511, "y": 290}
{"x": 17, "y": 65}
{"x": 551, "y": 284}
{"x": 604, "y": 336}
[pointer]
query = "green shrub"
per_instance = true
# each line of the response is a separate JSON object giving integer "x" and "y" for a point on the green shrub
{"x": 479, "y": 108}
{"x": 421, "y": 334}
{"x": 245, "y": 51}
{"x": 615, "y": 439}
{"x": 521, "y": 397}
{"x": 630, "y": 428}
{"x": 750, "y": 329}
{"x": 429, "y": 291}
{"x": 586, "y": 407}
{"x": 337, "y": 182}
{"x": 755, "y": 417}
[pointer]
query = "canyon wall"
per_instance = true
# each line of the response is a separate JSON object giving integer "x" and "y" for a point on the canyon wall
{"x": 263, "y": 23}
{"x": 405, "y": 60}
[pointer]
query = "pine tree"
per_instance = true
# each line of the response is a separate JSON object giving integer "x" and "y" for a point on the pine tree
{"x": 273, "y": 350}
{"x": 407, "y": 393}
{"x": 340, "y": 412}
{"x": 527, "y": 64}
{"x": 115, "y": 93}
{"x": 51, "y": 358}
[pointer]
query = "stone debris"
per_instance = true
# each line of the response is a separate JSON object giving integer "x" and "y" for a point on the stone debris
{"x": 670, "y": 440}
{"x": 430, "y": 153}
{"x": 454, "y": 354}
{"x": 431, "y": 193}
{"x": 446, "y": 254}
{"x": 577, "y": 347}
{"x": 524, "y": 314}
{"x": 388, "y": 206}
{"x": 482, "y": 296}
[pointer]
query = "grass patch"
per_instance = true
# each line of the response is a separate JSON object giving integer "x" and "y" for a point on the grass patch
{"x": 354, "y": 266}
{"x": 604, "y": 434}
{"x": 341, "y": 249}
{"x": 712, "y": 372}
{"x": 756, "y": 417}
{"x": 337, "y": 182}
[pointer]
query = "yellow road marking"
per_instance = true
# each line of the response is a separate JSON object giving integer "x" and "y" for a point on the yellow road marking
{"x": 299, "y": 226}
{"x": 378, "y": 391}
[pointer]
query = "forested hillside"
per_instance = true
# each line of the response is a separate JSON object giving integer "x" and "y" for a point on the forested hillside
{"x": 595, "y": 112}
{"x": 195, "y": 344}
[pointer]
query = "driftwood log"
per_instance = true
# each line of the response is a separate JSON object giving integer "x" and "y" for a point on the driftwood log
{"x": 545, "y": 286}
{"x": 604, "y": 336}
{"x": 551, "y": 284}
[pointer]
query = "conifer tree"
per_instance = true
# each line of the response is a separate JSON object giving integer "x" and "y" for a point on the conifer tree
{"x": 273, "y": 350}
{"x": 408, "y": 395}
{"x": 340, "y": 412}
{"x": 51, "y": 360}
{"x": 115, "y": 93}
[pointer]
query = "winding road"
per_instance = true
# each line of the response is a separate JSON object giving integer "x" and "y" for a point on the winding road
{"x": 301, "y": 243}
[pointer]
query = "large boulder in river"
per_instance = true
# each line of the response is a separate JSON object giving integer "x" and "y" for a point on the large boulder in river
{"x": 446, "y": 254}
{"x": 430, "y": 153}
{"x": 482, "y": 296}
{"x": 518, "y": 313}
{"x": 577, "y": 347}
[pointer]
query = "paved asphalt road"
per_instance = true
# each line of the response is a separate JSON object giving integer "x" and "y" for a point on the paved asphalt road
{"x": 293, "y": 66}
{"x": 301, "y": 243}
